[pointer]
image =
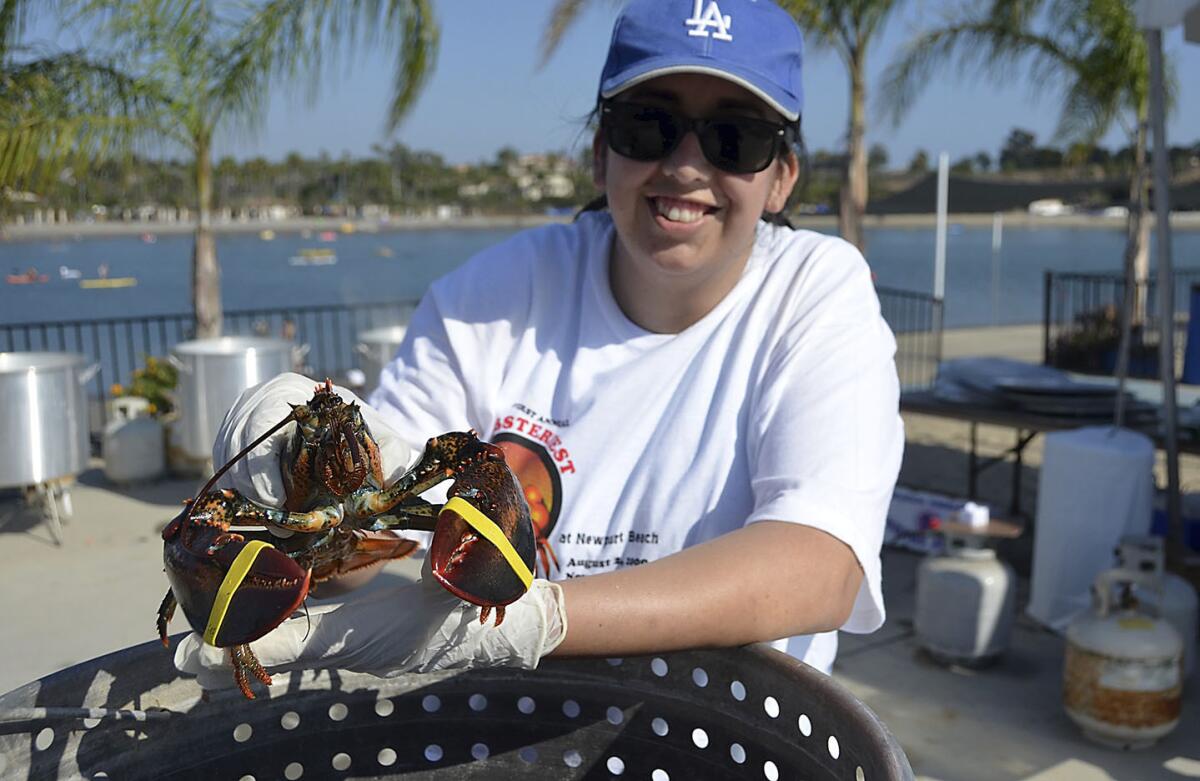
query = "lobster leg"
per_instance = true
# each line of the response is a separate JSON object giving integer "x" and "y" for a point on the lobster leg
{"x": 546, "y": 554}
{"x": 370, "y": 548}
{"x": 421, "y": 519}
{"x": 165, "y": 611}
{"x": 245, "y": 664}
{"x": 445, "y": 457}
{"x": 316, "y": 520}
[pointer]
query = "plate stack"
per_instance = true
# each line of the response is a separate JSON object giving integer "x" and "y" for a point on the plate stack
{"x": 1007, "y": 384}
{"x": 1060, "y": 396}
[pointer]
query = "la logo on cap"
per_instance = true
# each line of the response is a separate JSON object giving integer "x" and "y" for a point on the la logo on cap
{"x": 704, "y": 18}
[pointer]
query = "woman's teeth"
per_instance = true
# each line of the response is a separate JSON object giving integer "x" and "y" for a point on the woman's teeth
{"x": 676, "y": 211}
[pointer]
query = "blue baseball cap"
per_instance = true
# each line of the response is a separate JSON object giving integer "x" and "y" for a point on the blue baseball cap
{"x": 752, "y": 43}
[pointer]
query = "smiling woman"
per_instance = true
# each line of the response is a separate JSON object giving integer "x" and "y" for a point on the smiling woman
{"x": 701, "y": 405}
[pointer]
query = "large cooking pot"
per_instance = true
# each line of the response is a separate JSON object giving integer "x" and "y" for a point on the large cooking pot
{"x": 43, "y": 416}
{"x": 212, "y": 372}
{"x": 376, "y": 348}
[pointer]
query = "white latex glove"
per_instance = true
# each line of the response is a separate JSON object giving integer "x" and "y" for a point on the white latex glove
{"x": 412, "y": 627}
{"x": 257, "y": 409}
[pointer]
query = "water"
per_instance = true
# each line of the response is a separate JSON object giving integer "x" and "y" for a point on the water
{"x": 400, "y": 265}
{"x": 255, "y": 274}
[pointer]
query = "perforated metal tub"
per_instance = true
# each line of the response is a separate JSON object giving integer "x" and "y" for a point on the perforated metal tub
{"x": 748, "y": 713}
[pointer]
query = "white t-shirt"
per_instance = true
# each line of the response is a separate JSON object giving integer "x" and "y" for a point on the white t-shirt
{"x": 780, "y": 404}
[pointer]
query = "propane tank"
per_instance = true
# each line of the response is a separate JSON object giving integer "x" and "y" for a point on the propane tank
{"x": 1175, "y": 599}
{"x": 966, "y": 601}
{"x": 133, "y": 444}
{"x": 1122, "y": 675}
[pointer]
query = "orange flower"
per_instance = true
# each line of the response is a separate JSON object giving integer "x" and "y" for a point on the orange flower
{"x": 116, "y": 389}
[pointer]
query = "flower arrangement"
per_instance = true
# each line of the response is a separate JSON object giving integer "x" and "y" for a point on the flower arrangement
{"x": 155, "y": 382}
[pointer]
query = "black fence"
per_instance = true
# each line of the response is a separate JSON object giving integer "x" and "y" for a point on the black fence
{"x": 916, "y": 319}
{"x": 327, "y": 336}
{"x": 330, "y": 334}
{"x": 1081, "y": 322}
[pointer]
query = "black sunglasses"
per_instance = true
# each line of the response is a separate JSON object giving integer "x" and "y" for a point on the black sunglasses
{"x": 735, "y": 144}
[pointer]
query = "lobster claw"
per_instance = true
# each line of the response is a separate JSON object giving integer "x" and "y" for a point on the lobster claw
{"x": 486, "y": 559}
{"x": 238, "y": 593}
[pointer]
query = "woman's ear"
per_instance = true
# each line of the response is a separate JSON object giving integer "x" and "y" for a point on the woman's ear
{"x": 781, "y": 188}
{"x": 599, "y": 149}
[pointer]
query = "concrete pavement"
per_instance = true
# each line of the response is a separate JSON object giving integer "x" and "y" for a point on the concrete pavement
{"x": 99, "y": 591}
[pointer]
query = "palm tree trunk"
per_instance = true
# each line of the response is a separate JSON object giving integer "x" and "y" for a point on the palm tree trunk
{"x": 853, "y": 196}
{"x": 1137, "y": 242}
{"x": 206, "y": 274}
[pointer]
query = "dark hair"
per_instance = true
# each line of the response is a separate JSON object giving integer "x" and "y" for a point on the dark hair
{"x": 795, "y": 145}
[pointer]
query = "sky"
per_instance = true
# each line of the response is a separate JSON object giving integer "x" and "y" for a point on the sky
{"x": 488, "y": 92}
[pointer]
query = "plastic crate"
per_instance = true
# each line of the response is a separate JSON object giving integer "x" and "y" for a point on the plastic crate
{"x": 744, "y": 713}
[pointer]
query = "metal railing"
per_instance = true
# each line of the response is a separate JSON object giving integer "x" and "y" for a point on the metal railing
{"x": 120, "y": 345}
{"x": 1081, "y": 321}
{"x": 916, "y": 319}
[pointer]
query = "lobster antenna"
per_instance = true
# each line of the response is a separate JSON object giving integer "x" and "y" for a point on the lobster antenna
{"x": 241, "y": 454}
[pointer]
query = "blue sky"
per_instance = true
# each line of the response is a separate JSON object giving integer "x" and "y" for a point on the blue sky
{"x": 487, "y": 92}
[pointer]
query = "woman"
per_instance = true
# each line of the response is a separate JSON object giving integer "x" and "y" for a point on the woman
{"x": 704, "y": 403}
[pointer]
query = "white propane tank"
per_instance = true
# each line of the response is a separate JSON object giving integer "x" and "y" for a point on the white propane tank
{"x": 1174, "y": 599}
{"x": 133, "y": 445}
{"x": 1122, "y": 675}
{"x": 966, "y": 603}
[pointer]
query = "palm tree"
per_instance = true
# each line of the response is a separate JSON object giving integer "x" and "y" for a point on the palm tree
{"x": 203, "y": 65}
{"x": 1092, "y": 49}
{"x": 847, "y": 27}
{"x": 58, "y": 109}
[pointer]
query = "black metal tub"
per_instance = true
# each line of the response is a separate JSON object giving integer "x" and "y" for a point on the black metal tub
{"x": 748, "y": 713}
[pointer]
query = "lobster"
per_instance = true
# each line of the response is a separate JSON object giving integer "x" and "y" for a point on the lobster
{"x": 237, "y": 585}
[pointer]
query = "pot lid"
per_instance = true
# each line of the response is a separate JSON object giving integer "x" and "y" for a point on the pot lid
{"x": 11, "y": 363}
{"x": 230, "y": 345}
{"x": 391, "y": 333}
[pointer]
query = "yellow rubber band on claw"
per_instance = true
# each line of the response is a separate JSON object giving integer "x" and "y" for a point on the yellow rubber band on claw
{"x": 237, "y": 573}
{"x": 491, "y": 532}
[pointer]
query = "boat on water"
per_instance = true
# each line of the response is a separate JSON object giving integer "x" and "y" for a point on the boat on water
{"x": 29, "y": 277}
{"x": 313, "y": 257}
{"x": 107, "y": 282}
{"x": 149, "y": 238}
{"x": 327, "y": 236}
{"x": 266, "y": 235}
{"x": 65, "y": 272}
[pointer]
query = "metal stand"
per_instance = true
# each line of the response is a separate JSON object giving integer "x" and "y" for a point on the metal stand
{"x": 51, "y": 500}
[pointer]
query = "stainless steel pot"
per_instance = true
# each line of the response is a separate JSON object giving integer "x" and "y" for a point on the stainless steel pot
{"x": 375, "y": 349}
{"x": 43, "y": 416}
{"x": 212, "y": 372}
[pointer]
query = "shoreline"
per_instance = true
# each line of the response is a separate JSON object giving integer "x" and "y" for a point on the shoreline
{"x": 80, "y": 230}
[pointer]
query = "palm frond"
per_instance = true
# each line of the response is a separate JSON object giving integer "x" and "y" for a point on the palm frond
{"x": 65, "y": 110}
{"x": 562, "y": 16}
{"x": 1091, "y": 51}
{"x": 826, "y": 24}
{"x": 986, "y": 47}
{"x": 293, "y": 38}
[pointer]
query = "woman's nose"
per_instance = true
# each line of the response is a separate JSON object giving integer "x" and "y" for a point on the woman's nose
{"x": 687, "y": 161}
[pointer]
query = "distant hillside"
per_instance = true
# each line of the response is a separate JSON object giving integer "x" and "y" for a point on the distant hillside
{"x": 982, "y": 194}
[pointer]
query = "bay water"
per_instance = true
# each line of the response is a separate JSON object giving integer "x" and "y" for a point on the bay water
{"x": 982, "y": 287}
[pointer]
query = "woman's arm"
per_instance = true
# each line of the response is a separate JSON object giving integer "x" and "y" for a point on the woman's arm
{"x": 768, "y": 580}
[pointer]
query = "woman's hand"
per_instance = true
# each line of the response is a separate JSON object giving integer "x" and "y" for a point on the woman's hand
{"x": 410, "y": 627}
{"x": 257, "y": 476}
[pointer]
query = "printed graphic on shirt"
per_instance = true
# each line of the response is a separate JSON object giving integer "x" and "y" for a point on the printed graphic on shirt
{"x": 538, "y": 428}
{"x": 538, "y": 477}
